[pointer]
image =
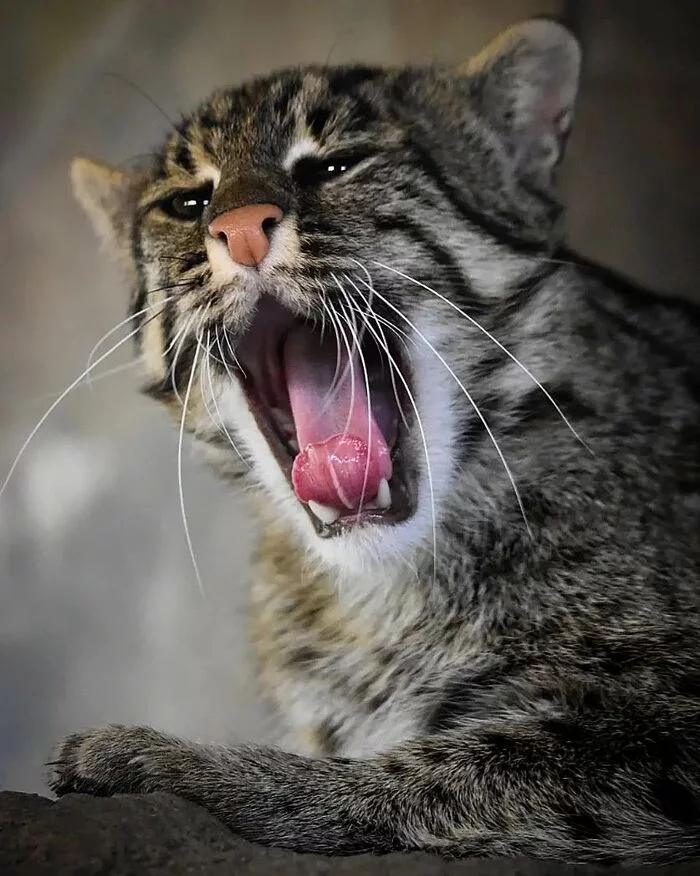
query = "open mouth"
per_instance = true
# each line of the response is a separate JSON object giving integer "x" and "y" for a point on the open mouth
{"x": 333, "y": 412}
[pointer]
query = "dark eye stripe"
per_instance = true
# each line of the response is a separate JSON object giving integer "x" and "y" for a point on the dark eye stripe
{"x": 183, "y": 158}
{"x": 317, "y": 119}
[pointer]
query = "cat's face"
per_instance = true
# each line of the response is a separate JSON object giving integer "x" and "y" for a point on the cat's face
{"x": 299, "y": 250}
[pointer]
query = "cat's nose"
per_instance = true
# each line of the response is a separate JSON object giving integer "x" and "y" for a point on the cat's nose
{"x": 247, "y": 231}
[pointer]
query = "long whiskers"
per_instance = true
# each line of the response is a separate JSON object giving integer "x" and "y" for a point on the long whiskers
{"x": 180, "y": 339}
{"x": 323, "y": 313}
{"x": 58, "y": 401}
{"x": 381, "y": 339}
{"x": 220, "y": 424}
{"x": 333, "y": 389}
{"x": 133, "y": 316}
{"x": 120, "y": 77}
{"x": 380, "y": 323}
{"x": 356, "y": 336}
{"x": 231, "y": 351}
{"x": 103, "y": 375}
{"x": 335, "y": 382}
{"x": 495, "y": 340}
{"x": 468, "y": 396}
{"x": 179, "y": 469}
{"x": 222, "y": 355}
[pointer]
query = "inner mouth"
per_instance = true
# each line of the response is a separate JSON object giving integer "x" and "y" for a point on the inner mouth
{"x": 333, "y": 412}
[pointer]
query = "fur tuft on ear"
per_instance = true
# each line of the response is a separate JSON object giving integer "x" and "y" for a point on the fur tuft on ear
{"x": 525, "y": 84}
{"x": 107, "y": 195}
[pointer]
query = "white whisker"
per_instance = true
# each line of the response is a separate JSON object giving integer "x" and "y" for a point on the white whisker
{"x": 231, "y": 376}
{"x": 132, "y": 316}
{"x": 394, "y": 366}
{"x": 217, "y": 421}
{"x": 58, "y": 401}
{"x": 232, "y": 352}
{"x": 351, "y": 366}
{"x": 179, "y": 470}
{"x": 110, "y": 372}
{"x": 333, "y": 388}
{"x": 103, "y": 375}
{"x": 322, "y": 293}
{"x": 469, "y": 398}
{"x": 181, "y": 339}
{"x": 216, "y": 404}
{"x": 352, "y": 327}
{"x": 206, "y": 357}
{"x": 178, "y": 334}
{"x": 223, "y": 355}
{"x": 495, "y": 340}
{"x": 401, "y": 336}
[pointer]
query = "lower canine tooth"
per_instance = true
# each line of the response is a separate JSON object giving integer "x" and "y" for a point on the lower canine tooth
{"x": 324, "y": 513}
{"x": 384, "y": 494}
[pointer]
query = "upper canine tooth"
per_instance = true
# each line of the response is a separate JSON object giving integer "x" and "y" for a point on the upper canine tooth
{"x": 325, "y": 513}
{"x": 384, "y": 494}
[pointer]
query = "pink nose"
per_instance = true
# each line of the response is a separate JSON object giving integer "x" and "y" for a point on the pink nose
{"x": 246, "y": 231}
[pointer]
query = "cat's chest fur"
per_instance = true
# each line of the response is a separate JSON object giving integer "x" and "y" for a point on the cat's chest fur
{"x": 350, "y": 680}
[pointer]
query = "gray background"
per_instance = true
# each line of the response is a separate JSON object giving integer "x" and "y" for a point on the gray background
{"x": 100, "y": 615}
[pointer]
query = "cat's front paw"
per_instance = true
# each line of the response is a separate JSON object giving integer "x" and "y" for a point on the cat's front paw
{"x": 113, "y": 760}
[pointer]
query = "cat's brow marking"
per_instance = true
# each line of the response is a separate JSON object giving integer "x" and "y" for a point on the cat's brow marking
{"x": 300, "y": 149}
{"x": 209, "y": 172}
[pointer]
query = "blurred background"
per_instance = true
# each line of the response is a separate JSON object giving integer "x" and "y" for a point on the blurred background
{"x": 100, "y": 615}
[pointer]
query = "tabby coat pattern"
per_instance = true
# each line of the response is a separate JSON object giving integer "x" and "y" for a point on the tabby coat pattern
{"x": 504, "y": 660}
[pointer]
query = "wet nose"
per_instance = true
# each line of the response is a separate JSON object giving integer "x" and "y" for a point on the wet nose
{"x": 247, "y": 231}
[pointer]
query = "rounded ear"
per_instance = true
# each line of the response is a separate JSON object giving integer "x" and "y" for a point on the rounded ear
{"x": 108, "y": 196}
{"x": 525, "y": 84}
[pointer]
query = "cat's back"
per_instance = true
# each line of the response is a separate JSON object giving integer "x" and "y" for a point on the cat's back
{"x": 635, "y": 375}
{"x": 665, "y": 328}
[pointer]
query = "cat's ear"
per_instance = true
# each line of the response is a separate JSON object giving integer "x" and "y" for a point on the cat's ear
{"x": 525, "y": 83}
{"x": 108, "y": 196}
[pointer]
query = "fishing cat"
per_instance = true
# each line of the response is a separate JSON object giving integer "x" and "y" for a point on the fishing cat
{"x": 474, "y": 456}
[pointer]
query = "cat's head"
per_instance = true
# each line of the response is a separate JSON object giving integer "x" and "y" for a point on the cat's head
{"x": 300, "y": 249}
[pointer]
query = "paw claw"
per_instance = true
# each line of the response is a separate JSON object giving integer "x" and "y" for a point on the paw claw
{"x": 97, "y": 761}
{"x": 62, "y": 770}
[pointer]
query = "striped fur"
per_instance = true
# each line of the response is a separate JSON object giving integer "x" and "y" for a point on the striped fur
{"x": 530, "y": 688}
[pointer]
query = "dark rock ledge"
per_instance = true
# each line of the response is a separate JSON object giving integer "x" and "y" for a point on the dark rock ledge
{"x": 159, "y": 834}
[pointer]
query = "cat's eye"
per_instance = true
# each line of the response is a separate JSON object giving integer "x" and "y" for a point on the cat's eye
{"x": 314, "y": 171}
{"x": 188, "y": 205}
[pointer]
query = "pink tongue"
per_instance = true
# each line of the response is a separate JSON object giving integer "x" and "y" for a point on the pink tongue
{"x": 344, "y": 455}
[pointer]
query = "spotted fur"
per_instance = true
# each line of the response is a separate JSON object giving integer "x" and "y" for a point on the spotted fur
{"x": 532, "y": 686}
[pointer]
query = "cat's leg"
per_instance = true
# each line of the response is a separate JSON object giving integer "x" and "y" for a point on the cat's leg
{"x": 613, "y": 786}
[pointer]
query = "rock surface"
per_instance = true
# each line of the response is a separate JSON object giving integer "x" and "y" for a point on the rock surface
{"x": 160, "y": 834}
